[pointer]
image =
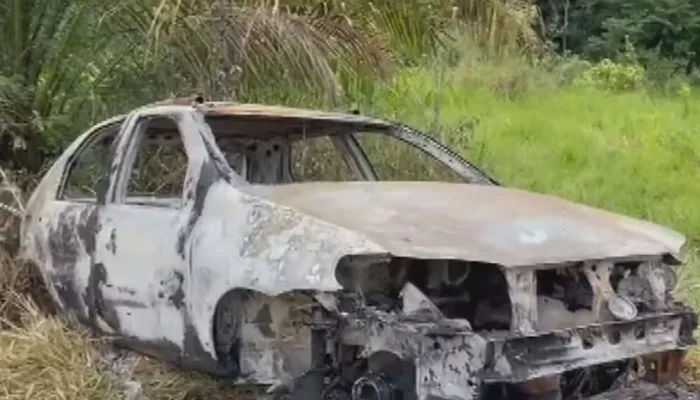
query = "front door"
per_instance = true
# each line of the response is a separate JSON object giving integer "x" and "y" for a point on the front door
{"x": 139, "y": 260}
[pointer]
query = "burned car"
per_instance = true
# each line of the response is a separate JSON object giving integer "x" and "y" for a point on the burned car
{"x": 337, "y": 256}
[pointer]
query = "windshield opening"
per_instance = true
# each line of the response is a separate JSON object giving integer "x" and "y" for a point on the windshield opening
{"x": 394, "y": 159}
{"x": 338, "y": 152}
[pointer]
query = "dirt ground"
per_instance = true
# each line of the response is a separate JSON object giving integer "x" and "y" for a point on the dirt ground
{"x": 122, "y": 364}
{"x": 647, "y": 391}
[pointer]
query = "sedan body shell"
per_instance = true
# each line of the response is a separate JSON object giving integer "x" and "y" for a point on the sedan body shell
{"x": 154, "y": 275}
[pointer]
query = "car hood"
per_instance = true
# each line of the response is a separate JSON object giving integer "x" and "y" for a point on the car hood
{"x": 482, "y": 223}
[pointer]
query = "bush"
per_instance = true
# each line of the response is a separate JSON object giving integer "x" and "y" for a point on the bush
{"x": 609, "y": 75}
{"x": 601, "y": 28}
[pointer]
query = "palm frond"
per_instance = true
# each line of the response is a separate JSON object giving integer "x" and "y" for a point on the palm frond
{"x": 500, "y": 25}
{"x": 228, "y": 47}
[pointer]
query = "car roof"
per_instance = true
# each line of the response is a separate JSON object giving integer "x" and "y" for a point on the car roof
{"x": 214, "y": 109}
{"x": 273, "y": 112}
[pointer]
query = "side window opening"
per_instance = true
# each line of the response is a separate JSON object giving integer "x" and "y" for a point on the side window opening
{"x": 317, "y": 159}
{"x": 396, "y": 160}
{"x": 258, "y": 161}
{"x": 88, "y": 169}
{"x": 159, "y": 169}
{"x": 234, "y": 155}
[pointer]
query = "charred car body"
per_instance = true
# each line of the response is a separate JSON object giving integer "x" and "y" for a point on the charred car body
{"x": 281, "y": 247}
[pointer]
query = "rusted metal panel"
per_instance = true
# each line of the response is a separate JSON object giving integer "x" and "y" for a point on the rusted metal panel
{"x": 663, "y": 368}
{"x": 499, "y": 225}
{"x": 271, "y": 112}
{"x": 274, "y": 112}
{"x": 541, "y": 355}
{"x": 646, "y": 391}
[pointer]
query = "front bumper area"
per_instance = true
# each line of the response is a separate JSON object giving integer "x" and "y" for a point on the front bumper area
{"x": 645, "y": 391}
{"x": 523, "y": 358}
{"x": 451, "y": 362}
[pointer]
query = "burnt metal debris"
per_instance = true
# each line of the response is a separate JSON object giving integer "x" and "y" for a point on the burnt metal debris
{"x": 361, "y": 290}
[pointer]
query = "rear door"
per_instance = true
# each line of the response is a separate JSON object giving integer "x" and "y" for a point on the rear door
{"x": 64, "y": 216}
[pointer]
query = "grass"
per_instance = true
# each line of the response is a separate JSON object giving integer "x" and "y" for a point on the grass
{"x": 634, "y": 152}
{"x": 43, "y": 358}
{"x": 162, "y": 382}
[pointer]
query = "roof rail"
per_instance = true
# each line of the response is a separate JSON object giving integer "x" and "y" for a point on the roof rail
{"x": 180, "y": 101}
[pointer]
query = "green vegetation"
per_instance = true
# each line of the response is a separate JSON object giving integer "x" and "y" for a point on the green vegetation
{"x": 665, "y": 31}
{"x": 594, "y": 101}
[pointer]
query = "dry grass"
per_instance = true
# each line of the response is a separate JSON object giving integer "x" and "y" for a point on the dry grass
{"x": 689, "y": 290}
{"x": 161, "y": 382}
{"x": 691, "y": 367}
{"x": 17, "y": 283}
{"x": 14, "y": 278}
{"x": 42, "y": 358}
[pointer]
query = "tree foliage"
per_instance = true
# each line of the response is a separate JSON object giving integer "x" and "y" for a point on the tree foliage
{"x": 666, "y": 29}
{"x": 65, "y": 63}
{"x": 54, "y": 55}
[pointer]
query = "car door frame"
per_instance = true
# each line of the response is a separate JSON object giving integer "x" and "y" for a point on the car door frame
{"x": 169, "y": 342}
{"x": 57, "y": 232}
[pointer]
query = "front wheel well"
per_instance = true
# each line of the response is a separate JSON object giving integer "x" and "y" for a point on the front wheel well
{"x": 226, "y": 330}
{"x": 267, "y": 319}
